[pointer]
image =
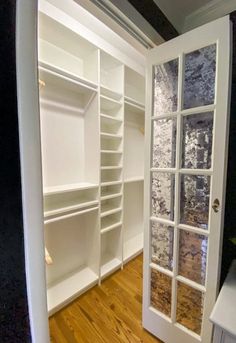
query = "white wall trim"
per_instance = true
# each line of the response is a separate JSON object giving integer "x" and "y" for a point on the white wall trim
{"x": 211, "y": 11}
{"x": 30, "y": 160}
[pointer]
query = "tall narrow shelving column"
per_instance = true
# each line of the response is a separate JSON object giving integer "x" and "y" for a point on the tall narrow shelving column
{"x": 111, "y": 135}
{"x": 134, "y": 112}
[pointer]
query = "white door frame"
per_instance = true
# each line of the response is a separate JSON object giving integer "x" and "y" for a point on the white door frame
{"x": 214, "y": 32}
{"x": 30, "y": 160}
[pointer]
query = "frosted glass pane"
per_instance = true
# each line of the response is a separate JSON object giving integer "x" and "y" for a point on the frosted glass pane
{"x": 189, "y": 307}
{"x": 161, "y": 292}
{"x": 165, "y": 87}
{"x": 164, "y": 143}
{"x": 162, "y": 245}
{"x": 192, "y": 256}
{"x": 194, "y": 200}
{"x": 199, "y": 81}
{"x": 197, "y": 140}
{"x": 163, "y": 188}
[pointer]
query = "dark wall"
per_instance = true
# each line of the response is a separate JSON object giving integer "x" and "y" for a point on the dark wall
{"x": 229, "y": 250}
{"x": 14, "y": 325}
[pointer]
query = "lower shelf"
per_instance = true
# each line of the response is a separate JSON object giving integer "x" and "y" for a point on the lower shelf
{"x": 109, "y": 265}
{"x": 132, "y": 247}
{"x": 68, "y": 289}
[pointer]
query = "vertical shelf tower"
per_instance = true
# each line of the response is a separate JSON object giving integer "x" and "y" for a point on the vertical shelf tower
{"x": 92, "y": 138}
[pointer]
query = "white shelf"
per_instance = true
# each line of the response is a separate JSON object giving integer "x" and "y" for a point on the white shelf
{"x": 109, "y": 209}
{"x": 110, "y": 223}
{"x": 80, "y": 88}
{"x": 111, "y": 151}
{"x": 134, "y": 104}
{"x": 111, "y": 196}
{"x": 83, "y": 204}
{"x": 110, "y": 93}
{"x": 131, "y": 107}
{"x": 110, "y": 136}
{"x": 133, "y": 247}
{"x": 110, "y": 183}
{"x": 109, "y": 119}
{"x": 69, "y": 76}
{"x": 109, "y": 264}
{"x": 110, "y": 167}
{"x": 68, "y": 188}
{"x": 134, "y": 179}
{"x": 109, "y": 104}
{"x": 71, "y": 287}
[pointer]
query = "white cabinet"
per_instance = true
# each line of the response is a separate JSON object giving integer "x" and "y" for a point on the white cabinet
{"x": 92, "y": 141}
{"x": 223, "y": 315}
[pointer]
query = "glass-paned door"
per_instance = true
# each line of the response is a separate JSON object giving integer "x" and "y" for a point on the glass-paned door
{"x": 186, "y": 151}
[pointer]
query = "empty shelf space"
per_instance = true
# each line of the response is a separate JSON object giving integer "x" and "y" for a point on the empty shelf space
{"x": 110, "y": 135}
{"x": 109, "y": 119}
{"x": 134, "y": 107}
{"x": 133, "y": 104}
{"x": 134, "y": 179}
{"x": 70, "y": 201}
{"x": 133, "y": 247}
{"x": 111, "y": 183}
{"x": 111, "y": 167}
{"x": 60, "y": 46}
{"x": 111, "y": 221}
{"x": 134, "y": 87}
{"x": 110, "y": 196}
{"x": 68, "y": 76}
{"x": 110, "y": 106}
{"x": 111, "y": 152}
{"x": 80, "y": 90}
{"x": 109, "y": 264}
{"x": 111, "y": 191}
{"x": 109, "y": 209}
{"x": 71, "y": 287}
{"x": 68, "y": 188}
{"x": 110, "y": 93}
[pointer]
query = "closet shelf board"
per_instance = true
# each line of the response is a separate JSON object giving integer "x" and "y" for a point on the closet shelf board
{"x": 110, "y": 93}
{"x": 133, "y": 247}
{"x": 109, "y": 265}
{"x": 63, "y": 292}
{"x": 111, "y": 196}
{"x": 68, "y": 188}
{"x": 109, "y": 118}
{"x": 107, "y": 210}
{"x": 83, "y": 204}
{"x": 134, "y": 103}
{"x": 134, "y": 179}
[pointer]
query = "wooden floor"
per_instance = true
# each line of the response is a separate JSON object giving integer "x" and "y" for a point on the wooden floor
{"x": 110, "y": 313}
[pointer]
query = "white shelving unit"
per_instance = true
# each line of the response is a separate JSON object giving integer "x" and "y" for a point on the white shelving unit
{"x": 92, "y": 136}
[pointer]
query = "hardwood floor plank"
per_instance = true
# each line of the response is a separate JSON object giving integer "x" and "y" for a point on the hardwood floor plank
{"x": 110, "y": 313}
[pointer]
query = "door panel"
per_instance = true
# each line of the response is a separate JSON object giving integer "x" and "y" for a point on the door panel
{"x": 186, "y": 150}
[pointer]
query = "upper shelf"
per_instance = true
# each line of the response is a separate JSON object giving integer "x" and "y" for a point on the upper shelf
{"x": 134, "y": 87}
{"x": 68, "y": 188}
{"x": 110, "y": 93}
{"x": 80, "y": 89}
{"x": 62, "y": 47}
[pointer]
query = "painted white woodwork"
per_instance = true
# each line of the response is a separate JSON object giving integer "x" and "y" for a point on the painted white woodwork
{"x": 224, "y": 312}
{"x": 92, "y": 140}
{"x": 163, "y": 326}
{"x": 133, "y": 219}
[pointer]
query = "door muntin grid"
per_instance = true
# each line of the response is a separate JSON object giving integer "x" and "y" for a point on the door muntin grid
{"x": 189, "y": 139}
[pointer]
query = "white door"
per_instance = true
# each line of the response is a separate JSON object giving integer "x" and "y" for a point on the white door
{"x": 186, "y": 151}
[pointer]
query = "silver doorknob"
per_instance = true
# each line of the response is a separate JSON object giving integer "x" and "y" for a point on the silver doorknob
{"x": 216, "y": 205}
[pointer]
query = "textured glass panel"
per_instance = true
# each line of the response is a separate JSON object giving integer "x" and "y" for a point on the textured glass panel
{"x": 192, "y": 256}
{"x": 161, "y": 292}
{"x": 164, "y": 143}
{"x": 163, "y": 188}
{"x": 199, "y": 85}
{"x": 194, "y": 200}
{"x": 162, "y": 245}
{"x": 197, "y": 140}
{"x": 189, "y": 307}
{"x": 165, "y": 87}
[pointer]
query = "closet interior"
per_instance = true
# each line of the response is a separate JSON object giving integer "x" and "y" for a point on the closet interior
{"x": 92, "y": 140}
